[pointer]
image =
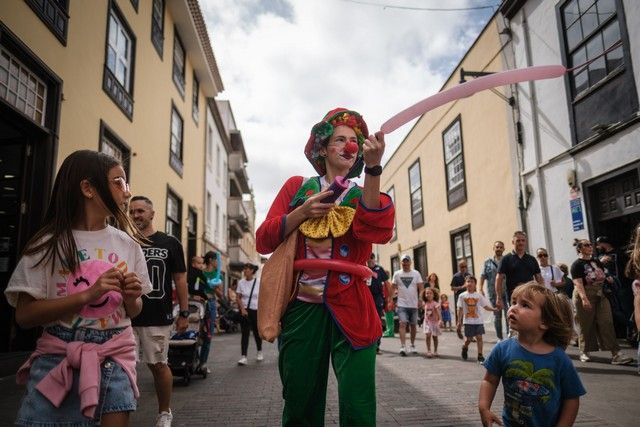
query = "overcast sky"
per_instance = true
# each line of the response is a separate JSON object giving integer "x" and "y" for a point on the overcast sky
{"x": 284, "y": 64}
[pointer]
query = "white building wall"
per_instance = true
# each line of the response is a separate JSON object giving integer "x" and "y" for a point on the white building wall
{"x": 216, "y": 185}
{"x": 546, "y": 143}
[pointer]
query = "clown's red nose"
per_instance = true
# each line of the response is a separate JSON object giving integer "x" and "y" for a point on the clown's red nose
{"x": 351, "y": 147}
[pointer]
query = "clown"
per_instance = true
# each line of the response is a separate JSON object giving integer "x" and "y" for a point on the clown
{"x": 333, "y": 313}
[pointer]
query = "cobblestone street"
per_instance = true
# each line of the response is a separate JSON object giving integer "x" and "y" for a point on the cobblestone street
{"x": 411, "y": 390}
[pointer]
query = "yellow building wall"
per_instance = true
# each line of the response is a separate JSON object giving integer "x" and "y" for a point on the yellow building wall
{"x": 491, "y": 208}
{"x": 80, "y": 66}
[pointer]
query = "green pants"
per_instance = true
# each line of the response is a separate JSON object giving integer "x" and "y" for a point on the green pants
{"x": 388, "y": 319}
{"x": 309, "y": 336}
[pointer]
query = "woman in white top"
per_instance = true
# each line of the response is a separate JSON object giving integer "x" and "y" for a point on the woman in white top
{"x": 247, "y": 298}
{"x": 552, "y": 276}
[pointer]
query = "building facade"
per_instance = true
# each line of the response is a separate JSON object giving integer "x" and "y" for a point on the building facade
{"x": 451, "y": 177}
{"x": 580, "y": 133}
{"x": 130, "y": 78}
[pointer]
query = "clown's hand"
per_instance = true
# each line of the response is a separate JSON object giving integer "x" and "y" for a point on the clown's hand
{"x": 373, "y": 149}
{"x": 314, "y": 208}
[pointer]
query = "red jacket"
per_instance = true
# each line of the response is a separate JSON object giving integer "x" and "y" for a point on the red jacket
{"x": 350, "y": 303}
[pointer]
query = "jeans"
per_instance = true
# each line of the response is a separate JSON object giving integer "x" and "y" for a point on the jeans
{"x": 497, "y": 315}
{"x": 206, "y": 337}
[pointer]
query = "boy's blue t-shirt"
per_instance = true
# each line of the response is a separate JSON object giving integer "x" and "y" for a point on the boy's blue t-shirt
{"x": 535, "y": 385}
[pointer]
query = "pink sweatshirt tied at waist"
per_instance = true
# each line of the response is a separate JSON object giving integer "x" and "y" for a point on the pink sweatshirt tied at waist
{"x": 85, "y": 357}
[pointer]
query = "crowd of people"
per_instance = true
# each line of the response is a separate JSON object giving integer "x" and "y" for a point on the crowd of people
{"x": 102, "y": 284}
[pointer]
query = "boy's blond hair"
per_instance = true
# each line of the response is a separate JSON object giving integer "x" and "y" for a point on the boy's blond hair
{"x": 556, "y": 313}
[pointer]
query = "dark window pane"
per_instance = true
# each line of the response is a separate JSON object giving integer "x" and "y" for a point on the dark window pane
{"x": 589, "y": 21}
{"x": 571, "y": 13}
{"x": 611, "y": 34}
{"x": 594, "y": 47}
{"x": 606, "y": 8}
{"x": 614, "y": 59}
{"x": 574, "y": 35}
{"x": 579, "y": 57}
{"x": 584, "y": 5}
{"x": 597, "y": 71}
{"x": 581, "y": 82}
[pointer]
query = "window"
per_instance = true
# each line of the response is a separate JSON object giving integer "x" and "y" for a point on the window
{"x": 602, "y": 93}
{"x": 55, "y": 15}
{"x": 112, "y": 145}
{"x": 157, "y": 26}
{"x": 218, "y": 164}
{"x": 392, "y": 194}
{"x": 461, "y": 247}
{"x": 395, "y": 264}
{"x": 195, "y": 99}
{"x": 454, "y": 164}
{"x": 175, "y": 155}
{"x": 22, "y": 88}
{"x": 118, "y": 71}
{"x": 178, "y": 63}
{"x": 173, "y": 225}
{"x": 209, "y": 146}
{"x": 415, "y": 189}
{"x": 208, "y": 209}
{"x": 216, "y": 232}
{"x": 420, "y": 260}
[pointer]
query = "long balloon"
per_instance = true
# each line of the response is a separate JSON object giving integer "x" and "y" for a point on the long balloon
{"x": 335, "y": 265}
{"x": 464, "y": 90}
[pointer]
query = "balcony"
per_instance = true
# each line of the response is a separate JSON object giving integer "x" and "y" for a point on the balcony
{"x": 236, "y": 212}
{"x": 237, "y": 257}
{"x": 238, "y": 179}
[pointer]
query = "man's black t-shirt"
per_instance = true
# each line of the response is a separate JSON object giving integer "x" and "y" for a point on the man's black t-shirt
{"x": 458, "y": 279}
{"x": 377, "y": 285}
{"x": 518, "y": 270}
{"x": 164, "y": 258}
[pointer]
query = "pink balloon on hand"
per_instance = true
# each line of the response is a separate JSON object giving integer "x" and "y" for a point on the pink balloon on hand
{"x": 469, "y": 88}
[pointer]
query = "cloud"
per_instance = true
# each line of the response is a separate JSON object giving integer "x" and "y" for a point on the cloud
{"x": 285, "y": 64}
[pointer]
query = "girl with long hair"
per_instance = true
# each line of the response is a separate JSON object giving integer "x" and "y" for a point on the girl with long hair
{"x": 81, "y": 277}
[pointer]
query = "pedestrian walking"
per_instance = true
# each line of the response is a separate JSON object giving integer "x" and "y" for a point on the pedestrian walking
{"x": 541, "y": 385}
{"x": 489, "y": 273}
{"x": 333, "y": 314}
{"x": 551, "y": 275}
{"x": 469, "y": 304}
{"x": 593, "y": 311}
{"x": 445, "y": 311}
{"x": 377, "y": 287}
{"x": 432, "y": 320}
{"x": 516, "y": 268}
{"x": 408, "y": 283}
{"x": 390, "y": 299}
{"x": 165, "y": 263}
{"x": 632, "y": 270}
{"x": 457, "y": 282}
{"x": 82, "y": 280}
{"x": 433, "y": 281}
{"x": 568, "y": 287}
{"x": 247, "y": 296}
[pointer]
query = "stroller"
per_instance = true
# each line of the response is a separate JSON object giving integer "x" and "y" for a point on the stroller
{"x": 184, "y": 348}
{"x": 228, "y": 318}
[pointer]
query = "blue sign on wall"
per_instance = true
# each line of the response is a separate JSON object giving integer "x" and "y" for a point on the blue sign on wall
{"x": 576, "y": 214}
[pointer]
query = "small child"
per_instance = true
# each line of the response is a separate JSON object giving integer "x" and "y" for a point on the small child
{"x": 431, "y": 324}
{"x": 469, "y": 303}
{"x": 445, "y": 311}
{"x": 541, "y": 385}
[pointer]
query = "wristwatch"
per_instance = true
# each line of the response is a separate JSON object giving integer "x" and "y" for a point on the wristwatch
{"x": 184, "y": 313}
{"x": 373, "y": 170}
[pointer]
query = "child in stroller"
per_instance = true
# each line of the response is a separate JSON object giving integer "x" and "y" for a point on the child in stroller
{"x": 184, "y": 348}
{"x": 228, "y": 317}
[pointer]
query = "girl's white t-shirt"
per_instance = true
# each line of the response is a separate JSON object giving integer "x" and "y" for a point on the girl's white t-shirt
{"x": 98, "y": 251}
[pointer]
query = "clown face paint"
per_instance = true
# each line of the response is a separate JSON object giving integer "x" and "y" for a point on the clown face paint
{"x": 85, "y": 277}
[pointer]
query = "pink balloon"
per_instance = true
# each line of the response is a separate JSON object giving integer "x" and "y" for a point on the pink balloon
{"x": 469, "y": 88}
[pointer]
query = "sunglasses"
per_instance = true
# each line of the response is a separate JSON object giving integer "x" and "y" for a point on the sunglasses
{"x": 121, "y": 183}
{"x": 543, "y": 255}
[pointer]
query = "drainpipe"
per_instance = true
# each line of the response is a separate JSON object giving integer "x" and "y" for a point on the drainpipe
{"x": 548, "y": 243}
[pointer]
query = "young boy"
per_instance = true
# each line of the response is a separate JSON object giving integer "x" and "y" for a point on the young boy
{"x": 541, "y": 386}
{"x": 469, "y": 304}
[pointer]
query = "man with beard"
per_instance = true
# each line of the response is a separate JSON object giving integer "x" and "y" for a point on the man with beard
{"x": 489, "y": 273}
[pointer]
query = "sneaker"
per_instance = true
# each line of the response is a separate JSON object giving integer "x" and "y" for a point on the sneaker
{"x": 413, "y": 350}
{"x": 164, "y": 419}
{"x": 242, "y": 361}
{"x": 619, "y": 359}
{"x": 480, "y": 358}
{"x": 259, "y": 357}
{"x": 403, "y": 352}
{"x": 378, "y": 351}
{"x": 584, "y": 357}
{"x": 465, "y": 352}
